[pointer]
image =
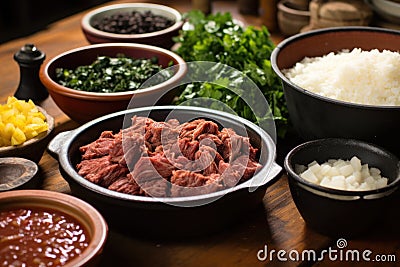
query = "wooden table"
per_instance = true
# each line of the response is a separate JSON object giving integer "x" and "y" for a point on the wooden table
{"x": 276, "y": 223}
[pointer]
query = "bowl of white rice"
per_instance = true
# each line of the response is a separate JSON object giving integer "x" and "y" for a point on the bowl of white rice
{"x": 342, "y": 187}
{"x": 343, "y": 82}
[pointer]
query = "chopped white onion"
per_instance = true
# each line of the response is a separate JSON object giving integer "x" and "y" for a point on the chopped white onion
{"x": 342, "y": 174}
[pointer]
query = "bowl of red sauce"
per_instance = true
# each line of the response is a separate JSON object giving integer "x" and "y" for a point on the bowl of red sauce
{"x": 45, "y": 228}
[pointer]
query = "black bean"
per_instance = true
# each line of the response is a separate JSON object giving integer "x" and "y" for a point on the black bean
{"x": 133, "y": 22}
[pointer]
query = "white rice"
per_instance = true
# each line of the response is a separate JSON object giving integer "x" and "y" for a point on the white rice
{"x": 357, "y": 76}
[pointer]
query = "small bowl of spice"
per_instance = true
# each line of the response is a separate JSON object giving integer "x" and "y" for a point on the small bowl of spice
{"x": 45, "y": 228}
{"x": 144, "y": 23}
{"x": 99, "y": 79}
{"x": 342, "y": 186}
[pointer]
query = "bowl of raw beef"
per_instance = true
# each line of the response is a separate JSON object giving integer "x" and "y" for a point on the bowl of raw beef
{"x": 174, "y": 169}
{"x": 342, "y": 82}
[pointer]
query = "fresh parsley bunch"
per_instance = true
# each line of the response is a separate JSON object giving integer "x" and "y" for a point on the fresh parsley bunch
{"x": 218, "y": 38}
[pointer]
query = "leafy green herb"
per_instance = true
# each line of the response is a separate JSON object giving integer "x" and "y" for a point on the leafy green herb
{"x": 217, "y": 38}
{"x": 111, "y": 74}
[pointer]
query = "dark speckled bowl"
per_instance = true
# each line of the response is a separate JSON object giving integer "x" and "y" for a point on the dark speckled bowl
{"x": 334, "y": 212}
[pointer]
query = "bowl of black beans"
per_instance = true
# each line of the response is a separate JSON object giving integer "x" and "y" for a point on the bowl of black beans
{"x": 94, "y": 80}
{"x": 142, "y": 23}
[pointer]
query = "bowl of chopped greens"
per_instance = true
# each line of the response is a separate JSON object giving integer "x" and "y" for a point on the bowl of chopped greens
{"x": 144, "y": 23}
{"x": 99, "y": 79}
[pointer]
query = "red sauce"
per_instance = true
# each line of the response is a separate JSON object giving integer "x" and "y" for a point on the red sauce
{"x": 39, "y": 237}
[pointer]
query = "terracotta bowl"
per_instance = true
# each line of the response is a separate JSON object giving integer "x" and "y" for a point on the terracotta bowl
{"x": 167, "y": 216}
{"x": 82, "y": 106}
{"x": 85, "y": 215}
{"x": 300, "y": 4}
{"x": 162, "y": 38}
{"x": 34, "y": 148}
{"x": 314, "y": 116}
{"x": 341, "y": 213}
{"x": 388, "y": 10}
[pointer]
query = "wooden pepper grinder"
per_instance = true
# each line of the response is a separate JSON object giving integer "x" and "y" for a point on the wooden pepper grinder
{"x": 29, "y": 59}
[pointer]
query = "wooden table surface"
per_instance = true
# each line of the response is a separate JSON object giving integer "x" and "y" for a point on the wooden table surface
{"x": 276, "y": 223}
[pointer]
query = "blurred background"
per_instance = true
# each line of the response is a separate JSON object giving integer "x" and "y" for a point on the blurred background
{"x": 20, "y": 18}
{"x": 23, "y": 17}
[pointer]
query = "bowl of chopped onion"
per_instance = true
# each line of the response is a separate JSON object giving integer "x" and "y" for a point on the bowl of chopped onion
{"x": 341, "y": 186}
{"x": 25, "y": 129}
{"x": 342, "y": 82}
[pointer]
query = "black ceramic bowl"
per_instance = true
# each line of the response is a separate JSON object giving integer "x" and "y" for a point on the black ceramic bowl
{"x": 162, "y": 38}
{"x": 334, "y": 212}
{"x": 168, "y": 216}
{"x": 314, "y": 116}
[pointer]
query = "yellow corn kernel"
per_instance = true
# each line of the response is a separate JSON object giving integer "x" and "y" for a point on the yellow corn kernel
{"x": 37, "y": 120}
{"x": 19, "y": 121}
{"x": 6, "y": 142}
{"x": 18, "y": 137}
{"x": 31, "y": 134}
{"x": 7, "y": 114}
{"x": 37, "y": 114}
